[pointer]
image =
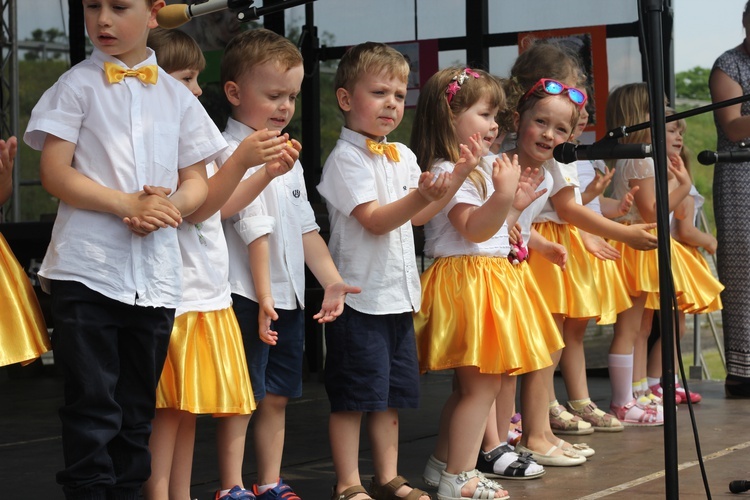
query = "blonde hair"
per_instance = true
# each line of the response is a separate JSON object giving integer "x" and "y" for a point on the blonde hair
{"x": 541, "y": 59}
{"x": 433, "y": 135}
{"x": 253, "y": 48}
{"x": 628, "y": 105}
{"x": 176, "y": 50}
{"x": 372, "y": 58}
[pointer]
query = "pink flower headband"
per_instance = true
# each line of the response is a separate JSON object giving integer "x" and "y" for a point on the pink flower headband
{"x": 459, "y": 80}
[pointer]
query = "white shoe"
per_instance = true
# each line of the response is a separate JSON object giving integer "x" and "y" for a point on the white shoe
{"x": 451, "y": 484}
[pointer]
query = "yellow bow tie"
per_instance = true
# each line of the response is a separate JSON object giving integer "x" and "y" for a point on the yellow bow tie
{"x": 380, "y": 148}
{"x": 146, "y": 74}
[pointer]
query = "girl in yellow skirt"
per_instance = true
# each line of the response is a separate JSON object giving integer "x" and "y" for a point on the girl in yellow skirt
{"x": 205, "y": 371}
{"x": 628, "y": 105}
{"x": 475, "y": 317}
{"x": 685, "y": 233}
{"x": 613, "y": 295}
{"x": 546, "y": 116}
{"x": 23, "y": 333}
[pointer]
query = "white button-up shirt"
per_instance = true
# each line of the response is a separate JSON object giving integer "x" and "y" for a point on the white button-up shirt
{"x": 283, "y": 213}
{"x": 127, "y": 134}
{"x": 384, "y": 266}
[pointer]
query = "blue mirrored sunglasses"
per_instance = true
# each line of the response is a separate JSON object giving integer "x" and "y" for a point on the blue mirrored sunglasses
{"x": 553, "y": 87}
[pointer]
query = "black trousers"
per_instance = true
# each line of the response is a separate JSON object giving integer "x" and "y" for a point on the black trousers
{"x": 111, "y": 355}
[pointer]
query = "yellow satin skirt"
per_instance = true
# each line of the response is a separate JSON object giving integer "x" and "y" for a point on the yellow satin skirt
{"x": 551, "y": 336}
{"x": 475, "y": 312}
{"x": 573, "y": 292}
{"x": 23, "y": 333}
{"x": 206, "y": 370}
{"x": 703, "y": 288}
{"x": 695, "y": 287}
{"x": 613, "y": 294}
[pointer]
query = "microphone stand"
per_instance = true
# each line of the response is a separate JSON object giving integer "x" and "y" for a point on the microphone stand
{"x": 254, "y": 13}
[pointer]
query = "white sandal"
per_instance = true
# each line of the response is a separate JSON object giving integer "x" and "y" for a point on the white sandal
{"x": 451, "y": 484}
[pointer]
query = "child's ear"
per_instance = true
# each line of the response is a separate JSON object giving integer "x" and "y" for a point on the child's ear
{"x": 516, "y": 120}
{"x": 232, "y": 91}
{"x": 155, "y": 8}
{"x": 344, "y": 99}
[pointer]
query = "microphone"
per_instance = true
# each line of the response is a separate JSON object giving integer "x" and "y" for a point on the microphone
{"x": 739, "y": 486}
{"x": 710, "y": 157}
{"x": 567, "y": 152}
{"x": 172, "y": 16}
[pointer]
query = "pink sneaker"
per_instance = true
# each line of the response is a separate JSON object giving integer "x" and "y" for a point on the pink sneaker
{"x": 678, "y": 398}
{"x": 680, "y": 391}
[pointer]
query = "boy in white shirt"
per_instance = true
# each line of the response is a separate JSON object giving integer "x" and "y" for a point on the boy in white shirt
{"x": 373, "y": 189}
{"x": 270, "y": 241}
{"x": 110, "y": 126}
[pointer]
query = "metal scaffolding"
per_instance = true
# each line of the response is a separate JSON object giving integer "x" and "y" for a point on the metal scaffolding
{"x": 9, "y": 102}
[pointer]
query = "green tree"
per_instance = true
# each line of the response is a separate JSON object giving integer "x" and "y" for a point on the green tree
{"x": 693, "y": 84}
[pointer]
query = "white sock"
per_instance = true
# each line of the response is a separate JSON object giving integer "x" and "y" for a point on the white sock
{"x": 265, "y": 487}
{"x": 621, "y": 377}
{"x": 652, "y": 381}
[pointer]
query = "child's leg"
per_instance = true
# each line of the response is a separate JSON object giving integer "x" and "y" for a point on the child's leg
{"x": 343, "y": 432}
{"x": 573, "y": 360}
{"x": 535, "y": 410}
{"x": 441, "y": 446}
{"x": 182, "y": 463}
{"x": 164, "y": 429}
{"x": 269, "y": 426}
{"x": 230, "y": 442}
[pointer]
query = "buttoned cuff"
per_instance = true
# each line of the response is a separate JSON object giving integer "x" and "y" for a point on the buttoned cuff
{"x": 252, "y": 228}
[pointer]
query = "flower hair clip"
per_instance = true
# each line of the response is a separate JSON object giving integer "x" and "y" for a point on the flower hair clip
{"x": 459, "y": 80}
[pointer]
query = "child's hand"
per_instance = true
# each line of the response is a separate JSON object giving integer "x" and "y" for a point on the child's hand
{"x": 433, "y": 186}
{"x": 514, "y": 234}
{"x": 149, "y": 210}
{"x": 285, "y": 162}
{"x": 599, "y": 184}
{"x": 597, "y": 246}
{"x": 526, "y": 192}
{"x": 469, "y": 158}
{"x": 8, "y": 151}
{"x": 506, "y": 174}
{"x": 712, "y": 245}
{"x": 266, "y": 315}
{"x": 627, "y": 201}
{"x": 555, "y": 253}
{"x": 333, "y": 301}
{"x": 640, "y": 238}
{"x": 677, "y": 168}
{"x": 260, "y": 147}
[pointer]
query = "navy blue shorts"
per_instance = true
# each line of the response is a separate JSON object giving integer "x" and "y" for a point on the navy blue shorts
{"x": 371, "y": 362}
{"x": 276, "y": 369}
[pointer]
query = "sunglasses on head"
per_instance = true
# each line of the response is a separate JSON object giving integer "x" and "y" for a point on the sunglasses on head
{"x": 553, "y": 87}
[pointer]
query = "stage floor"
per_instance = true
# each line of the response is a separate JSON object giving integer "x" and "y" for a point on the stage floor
{"x": 626, "y": 465}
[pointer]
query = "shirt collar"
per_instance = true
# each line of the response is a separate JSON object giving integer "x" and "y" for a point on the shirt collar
{"x": 356, "y": 138}
{"x": 99, "y": 58}
{"x": 237, "y": 129}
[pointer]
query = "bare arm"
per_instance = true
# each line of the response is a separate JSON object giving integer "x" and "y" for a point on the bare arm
{"x": 382, "y": 219}
{"x": 259, "y": 255}
{"x": 191, "y": 191}
{"x": 730, "y": 118}
{"x": 319, "y": 260}
{"x": 61, "y": 180}
{"x": 7, "y": 156}
{"x": 259, "y": 147}
{"x": 685, "y": 230}
{"x": 571, "y": 212}
{"x": 645, "y": 197}
{"x": 480, "y": 223}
